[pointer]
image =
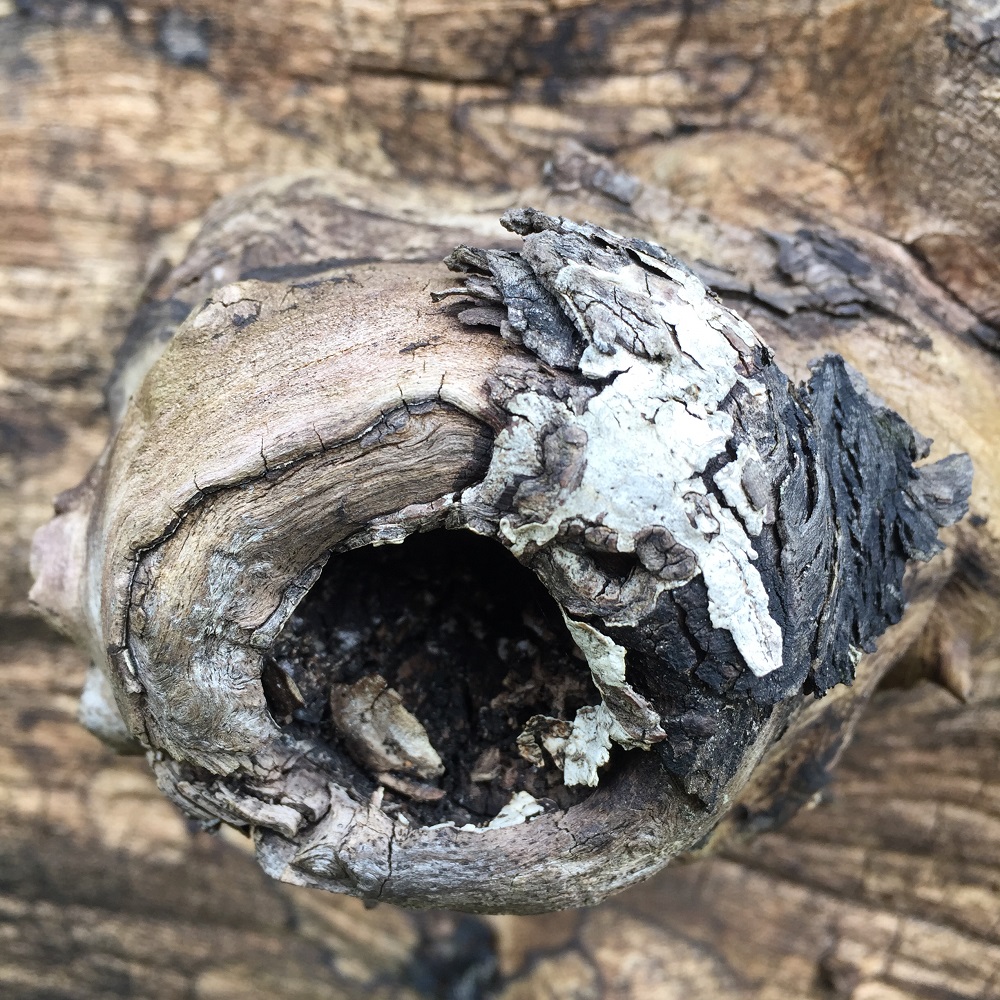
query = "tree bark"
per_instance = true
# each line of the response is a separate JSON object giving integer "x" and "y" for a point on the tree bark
{"x": 780, "y": 135}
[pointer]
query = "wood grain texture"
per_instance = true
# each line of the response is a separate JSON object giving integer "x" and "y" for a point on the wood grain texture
{"x": 108, "y": 144}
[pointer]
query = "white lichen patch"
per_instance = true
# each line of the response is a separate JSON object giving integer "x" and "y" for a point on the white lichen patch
{"x": 520, "y": 809}
{"x": 580, "y": 749}
{"x": 634, "y": 460}
{"x": 619, "y": 468}
{"x": 633, "y": 724}
{"x": 589, "y": 745}
{"x": 729, "y": 479}
{"x": 604, "y": 656}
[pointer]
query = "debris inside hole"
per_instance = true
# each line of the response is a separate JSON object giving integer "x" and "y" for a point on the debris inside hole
{"x": 446, "y": 646}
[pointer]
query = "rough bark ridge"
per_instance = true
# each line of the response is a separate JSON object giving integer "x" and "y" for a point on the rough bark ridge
{"x": 634, "y": 479}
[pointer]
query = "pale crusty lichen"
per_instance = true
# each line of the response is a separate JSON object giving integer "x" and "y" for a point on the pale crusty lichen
{"x": 626, "y": 466}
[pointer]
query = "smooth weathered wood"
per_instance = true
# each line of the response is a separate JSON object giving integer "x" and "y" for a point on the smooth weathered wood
{"x": 93, "y": 177}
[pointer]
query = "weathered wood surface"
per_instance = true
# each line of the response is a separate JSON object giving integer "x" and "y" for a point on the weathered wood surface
{"x": 886, "y": 889}
{"x": 889, "y": 887}
{"x": 109, "y": 143}
{"x": 316, "y": 404}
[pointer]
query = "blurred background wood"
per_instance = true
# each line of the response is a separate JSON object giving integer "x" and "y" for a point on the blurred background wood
{"x": 121, "y": 123}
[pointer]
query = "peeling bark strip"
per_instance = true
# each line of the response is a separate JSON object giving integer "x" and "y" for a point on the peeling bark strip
{"x": 716, "y": 540}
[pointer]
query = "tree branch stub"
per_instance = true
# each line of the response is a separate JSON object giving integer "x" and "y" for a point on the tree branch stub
{"x": 716, "y": 543}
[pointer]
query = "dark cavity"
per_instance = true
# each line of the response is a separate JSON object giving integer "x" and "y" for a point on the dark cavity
{"x": 469, "y": 639}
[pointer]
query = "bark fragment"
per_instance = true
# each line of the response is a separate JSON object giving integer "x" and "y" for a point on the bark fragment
{"x": 379, "y": 732}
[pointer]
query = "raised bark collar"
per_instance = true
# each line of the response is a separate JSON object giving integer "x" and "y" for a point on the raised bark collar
{"x": 435, "y": 725}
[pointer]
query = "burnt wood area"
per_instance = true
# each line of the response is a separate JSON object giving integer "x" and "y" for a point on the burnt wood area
{"x": 826, "y": 173}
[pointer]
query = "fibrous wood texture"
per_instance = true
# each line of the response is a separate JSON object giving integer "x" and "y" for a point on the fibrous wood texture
{"x": 852, "y": 120}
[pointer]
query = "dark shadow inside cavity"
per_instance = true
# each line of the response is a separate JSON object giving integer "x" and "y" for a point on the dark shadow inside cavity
{"x": 469, "y": 639}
